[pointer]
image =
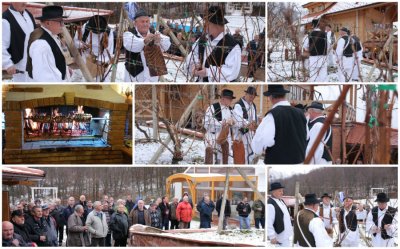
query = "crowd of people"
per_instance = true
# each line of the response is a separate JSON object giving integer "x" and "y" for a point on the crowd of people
{"x": 107, "y": 223}
{"x": 286, "y": 134}
{"x": 318, "y": 221}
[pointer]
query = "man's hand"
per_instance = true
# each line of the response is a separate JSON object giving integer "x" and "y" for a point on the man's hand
{"x": 149, "y": 38}
{"x": 387, "y": 226}
{"x": 42, "y": 238}
{"x": 274, "y": 241}
{"x": 12, "y": 70}
{"x": 157, "y": 39}
{"x": 375, "y": 229}
{"x": 201, "y": 73}
{"x": 15, "y": 242}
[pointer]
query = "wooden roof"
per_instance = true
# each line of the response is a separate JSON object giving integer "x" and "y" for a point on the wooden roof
{"x": 21, "y": 175}
{"x": 356, "y": 135}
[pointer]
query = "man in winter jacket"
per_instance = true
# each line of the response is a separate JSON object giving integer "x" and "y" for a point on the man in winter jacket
{"x": 165, "y": 209}
{"x": 155, "y": 216}
{"x": 57, "y": 214}
{"x": 244, "y": 210}
{"x": 68, "y": 210}
{"x": 172, "y": 213}
{"x": 77, "y": 230}
{"x": 119, "y": 226}
{"x": 227, "y": 212}
{"x": 51, "y": 225}
{"x": 97, "y": 225}
{"x": 18, "y": 220}
{"x": 259, "y": 213}
{"x": 184, "y": 213}
{"x": 206, "y": 209}
{"x": 129, "y": 204}
{"x": 11, "y": 239}
{"x": 37, "y": 227}
{"x": 140, "y": 215}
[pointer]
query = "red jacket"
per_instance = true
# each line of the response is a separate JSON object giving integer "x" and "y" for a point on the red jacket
{"x": 184, "y": 212}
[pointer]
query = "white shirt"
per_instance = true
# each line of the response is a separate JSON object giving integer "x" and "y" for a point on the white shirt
{"x": 229, "y": 71}
{"x": 317, "y": 228}
{"x": 211, "y": 124}
{"x": 136, "y": 44}
{"x": 44, "y": 67}
{"x": 284, "y": 236}
{"x": 378, "y": 241}
{"x": 95, "y": 43}
{"x": 340, "y": 47}
{"x": 352, "y": 237}
{"x": 312, "y": 135}
{"x": 26, "y": 25}
{"x": 361, "y": 215}
{"x": 265, "y": 133}
{"x": 326, "y": 216}
{"x": 241, "y": 122}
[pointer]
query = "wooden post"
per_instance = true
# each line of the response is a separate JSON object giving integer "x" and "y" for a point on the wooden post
{"x": 343, "y": 132}
{"x": 155, "y": 111}
{"x": 222, "y": 212}
{"x": 76, "y": 55}
{"x": 251, "y": 185}
{"x": 367, "y": 142}
{"x": 296, "y": 194}
{"x": 119, "y": 43}
{"x": 174, "y": 39}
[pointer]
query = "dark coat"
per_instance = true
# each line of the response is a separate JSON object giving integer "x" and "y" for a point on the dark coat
{"x": 58, "y": 215}
{"x": 36, "y": 229}
{"x": 21, "y": 230}
{"x": 76, "y": 233}
{"x": 218, "y": 206}
{"x": 172, "y": 212}
{"x": 129, "y": 205}
{"x": 22, "y": 243}
{"x": 206, "y": 211}
{"x": 156, "y": 220}
{"x": 67, "y": 212}
{"x": 243, "y": 209}
{"x": 165, "y": 210}
{"x": 133, "y": 216}
{"x": 119, "y": 225}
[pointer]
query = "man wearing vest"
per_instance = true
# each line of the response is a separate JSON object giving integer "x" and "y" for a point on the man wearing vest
{"x": 382, "y": 223}
{"x": 282, "y": 132}
{"x": 317, "y": 46}
{"x": 358, "y": 56}
{"x": 96, "y": 40}
{"x": 246, "y": 115}
{"x": 344, "y": 56}
{"x": 217, "y": 56}
{"x": 217, "y": 115}
{"x": 46, "y": 62}
{"x": 308, "y": 227}
{"x": 349, "y": 234}
{"x": 18, "y": 24}
{"x": 134, "y": 41}
{"x": 279, "y": 225}
{"x": 327, "y": 214}
{"x": 316, "y": 121}
{"x": 330, "y": 35}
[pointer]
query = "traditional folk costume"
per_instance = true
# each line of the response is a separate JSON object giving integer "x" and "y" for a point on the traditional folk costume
{"x": 17, "y": 28}
{"x": 99, "y": 40}
{"x": 279, "y": 225}
{"x": 344, "y": 53}
{"x": 46, "y": 61}
{"x": 328, "y": 216}
{"x": 221, "y": 55}
{"x": 282, "y": 132}
{"x": 349, "y": 234}
{"x": 377, "y": 219}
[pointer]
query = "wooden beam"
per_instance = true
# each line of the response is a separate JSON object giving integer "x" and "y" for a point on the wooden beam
{"x": 223, "y": 204}
{"x": 26, "y": 89}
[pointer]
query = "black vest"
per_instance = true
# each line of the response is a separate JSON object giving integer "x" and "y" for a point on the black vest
{"x": 305, "y": 217}
{"x": 387, "y": 219}
{"x": 278, "y": 225}
{"x": 350, "y": 219}
{"x": 217, "y": 111}
{"x": 134, "y": 63}
{"x": 348, "y": 49}
{"x": 57, "y": 53}
{"x": 356, "y": 42}
{"x": 244, "y": 109}
{"x": 318, "y": 43}
{"x": 16, "y": 49}
{"x": 290, "y": 136}
{"x": 328, "y": 144}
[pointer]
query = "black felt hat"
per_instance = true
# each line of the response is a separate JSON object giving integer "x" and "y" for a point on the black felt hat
{"x": 275, "y": 186}
{"x": 275, "y": 89}
{"x": 227, "y": 93}
{"x": 52, "y": 12}
{"x": 140, "y": 13}
{"x": 17, "y": 213}
{"x": 216, "y": 15}
{"x": 316, "y": 105}
{"x": 251, "y": 90}
{"x": 311, "y": 199}
{"x": 326, "y": 195}
{"x": 315, "y": 22}
{"x": 97, "y": 24}
{"x": 382, "y": 197}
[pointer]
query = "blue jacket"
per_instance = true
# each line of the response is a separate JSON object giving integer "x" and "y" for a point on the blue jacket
{"x": 206, "y": 211}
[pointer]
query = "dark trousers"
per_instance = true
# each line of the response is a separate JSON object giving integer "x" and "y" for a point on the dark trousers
{"x": 258, "y": 222}
{"x": 108, "y": 240}
{"x": 60, "y": 234}
{"x": 120, "y": 242}
{"x": 165, "y": 224}
{"x": 205, "y": 224}
{"x": 98, "y": 242}
{"x": 174, "y": 224}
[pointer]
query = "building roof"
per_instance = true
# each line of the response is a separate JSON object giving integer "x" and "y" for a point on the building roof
{"x": 205, "y": 177}
{"x": 357, "y": 131}
{"x": 19, "y": 175}
{"x": 75, "y": 14}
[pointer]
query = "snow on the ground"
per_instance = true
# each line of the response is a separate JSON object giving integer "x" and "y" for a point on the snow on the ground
{"x": 193, "y": 149}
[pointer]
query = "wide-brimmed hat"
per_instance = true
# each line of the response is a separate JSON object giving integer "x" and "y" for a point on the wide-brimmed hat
{"x": 275, "y": 89}
{"x": 344, "y": 29}
{"x": 227, "y": 93}
{"x": 311, "y": 199}
{"x": 17, "y": 213}
{"x": 275, "y": 186}
{"x": 140, "y": 13}
{"x": 326, "y": 195}
{"x": 97, "y": 24}
{"x": 216, "y": 15}
{"x": 382, "y": 197}
{"x": 52, "y": 12}
{"x": 315, "y": 22}
{"x": 316, "y": 105}
{"x": 251, "y": 90}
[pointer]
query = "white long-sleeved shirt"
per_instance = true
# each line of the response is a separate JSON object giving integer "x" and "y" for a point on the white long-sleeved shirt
{"x": 212, "y": 125}
{"x": 317, "y": 228}
{"x": 285, "y": 235}
{"x": 96, "y": 45}
{"x": 241, "y": 122}
{"x": 26, "y": 25}
{"x": 44, "y": 67}
{"x": 229, "y": 71}
{"x": 377, "y": 240}
{"x": 136, "y": 44}
{"x": 340, "y": 48}
{"x": 312, "y": 136}
{"x": 265, "y": 133}
{"x": 326, "y": 216}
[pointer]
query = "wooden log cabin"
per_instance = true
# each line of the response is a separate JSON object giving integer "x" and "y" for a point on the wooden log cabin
{"x": 372, "y": 22}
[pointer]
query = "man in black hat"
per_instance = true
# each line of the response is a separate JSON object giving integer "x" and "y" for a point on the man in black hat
{"x": 317, "y": 46}
{"x": 327, "y": 213}
{"x": 46, "y": 61}
{"x": 315, "y": 122}
{"x": 18, "y": 220}
{"x": 96, "y": 40}
{"x": 282, "y": 132}
{"x": 134, "y": 41}
{"x": 217, "y": 116}
{"x": 344, "y": 56}
{"x": 349, "y": 234}
{"x": 245, "y": 112}
{"x": 18, "y": 24}
{"x": 217, "y": 56}
{"x": 358, "y": 55}
{"x": 309, "y": 229}
{"x": 279, "y": 223}
{"x": 382, "y": 223}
